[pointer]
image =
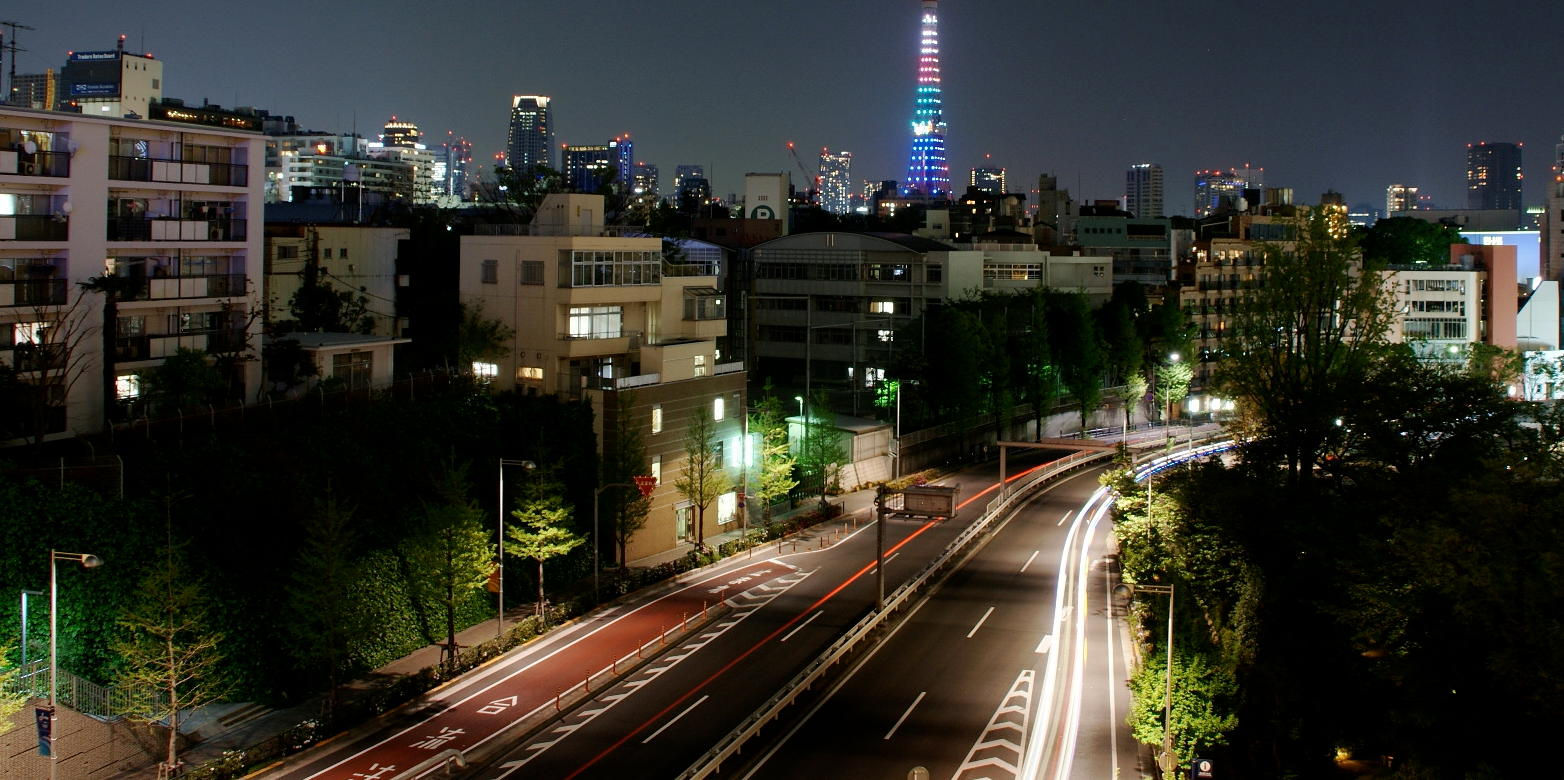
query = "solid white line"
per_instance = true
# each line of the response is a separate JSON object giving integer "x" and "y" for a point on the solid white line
{"x": 980, "y": 622}
{"x": 1066, "y": 517}
{"x": 905, "y": 714}
{"x": 892, "y": 557}
{"x": 801, "y": 626}
{"x": 1112, "y": 688}
{"x": 675, "y": 719}
{"x": 1029, "y": 561}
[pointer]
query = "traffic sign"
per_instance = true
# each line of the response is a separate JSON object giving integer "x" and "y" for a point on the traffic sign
{"x": 45, "y": 716}
{"x": 1201, "y": 770}
{"x": 646, "y": 484}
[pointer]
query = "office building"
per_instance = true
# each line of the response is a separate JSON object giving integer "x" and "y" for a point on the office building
{"x": 401, "y": 142}
{"x": 1143, "y": 191}
{"x": 1552, "y": 223}
{"x": 530, "y": 141}
{"x": 1143, "y": 249}
{"x": 645, "y": 180}
{"x": 682, "y": 172}
{"x": 114, "y": 83}
{"x": 1054, "y": 223}
{"x": 589, "y": 167}
{"x": 1493, "y": 176}
{"x": 987, "y": 179}
{"x": 928, "y": 172}
{"x": 836, "y": 181}
{"x": 36, "y": 90}
{"x": 1442, "y": 311}
{"x": 596, "y": 317}
{"x": 623, "y": 151}
{"x": 452, "y": 169}
{"x": 168, "y": 206}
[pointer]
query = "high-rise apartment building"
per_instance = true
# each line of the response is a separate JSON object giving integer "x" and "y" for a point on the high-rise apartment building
{"x": 645, "y": 180}
{"x": 1143, "y": 191}
{"x": 928, "y": 172}
{"x": 624, "y": 159}
{"x": 1493, "y": 176}
{"x": 987, "y": 179}
{"x": 1552, "y": 223}
{"x": 836, "y": 182}
{"x": 1400, "y": 197}
{"x": 531, "y": 138}
{"x": 682, "y": 172}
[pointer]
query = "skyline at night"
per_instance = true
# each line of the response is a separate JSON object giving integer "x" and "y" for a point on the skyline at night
{"x": 1326, "y": 96}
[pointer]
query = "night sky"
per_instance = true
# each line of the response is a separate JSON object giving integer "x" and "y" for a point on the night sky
{"x": 1327, "y": 94}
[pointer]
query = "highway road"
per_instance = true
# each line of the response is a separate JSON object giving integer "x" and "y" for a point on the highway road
{"x": 1006, "y": 652}
{"x": 783, "y": 608}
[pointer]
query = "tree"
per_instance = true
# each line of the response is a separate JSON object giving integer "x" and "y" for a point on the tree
{"x": 1409, "y": 241}
{"x": 774, "y": 477}
{"x": 1301, "y": 344}
{"x": 325, "y": 621}
{"x": 995, "y": 359}
{"x": 11, "y": 699}
{"x": 820, "y": 451}
{"x": 542, "y": 534}
{"x": 184, "y": 381}
{"x": 703, "y": 478}
{"x": 1042, "y": 378}
{"x": 451, "y": 556}
{"x": 113, "y": 288}
{"x": 319, "y": 307}
{"x": 953, "y": 372}
{"x": 521, "y": 191}
{"x": 1134, "y": 393}
{"x": 1173, "y": 380}
{"x": 480, "y": 339}
{"x": 624, "y": 459}
{"x": 50, "y": 355}
{"x": 171, "y": 657}
{"x": 1079, "y": 351}
{"x": 1125, "y": 351}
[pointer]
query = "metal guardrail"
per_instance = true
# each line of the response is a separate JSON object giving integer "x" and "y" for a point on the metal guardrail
{"x": 750, "y": 726}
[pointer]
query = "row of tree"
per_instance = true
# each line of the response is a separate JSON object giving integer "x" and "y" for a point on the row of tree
{"x": 1375, "y": 572}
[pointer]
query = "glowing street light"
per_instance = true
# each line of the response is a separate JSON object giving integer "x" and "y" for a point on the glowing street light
{"x": 87, "y": 561}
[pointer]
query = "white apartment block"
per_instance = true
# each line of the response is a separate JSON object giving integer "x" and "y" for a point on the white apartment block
{"x": 173, "y": 208}
{"x": 597, "y": 314}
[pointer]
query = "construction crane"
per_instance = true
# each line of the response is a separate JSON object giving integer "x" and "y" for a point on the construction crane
{"x": 14, "y": 26}
{"x": 815, "y": 179}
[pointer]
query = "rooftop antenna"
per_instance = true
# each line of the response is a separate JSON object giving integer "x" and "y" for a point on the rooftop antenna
{"x": 13, "y": 27}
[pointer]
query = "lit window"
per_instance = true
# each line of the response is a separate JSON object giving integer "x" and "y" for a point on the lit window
{"x": 657, "y": 418}
{"x": 718, "y": 407}
{"x": 127, "y": 387}
{"x": 882, "y": 307}
{"x": 700, "y": 367}
{"x": 534, "y": 373}
{"x": 657, "y": 468}
{"x": 485, "y": 372}
{"x": 727, "y": 508}
{"x": 887, "y": 335}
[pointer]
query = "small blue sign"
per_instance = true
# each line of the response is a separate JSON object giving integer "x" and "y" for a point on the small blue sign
{"x": 94, "y": 90}
{"x": 45, "y": 716}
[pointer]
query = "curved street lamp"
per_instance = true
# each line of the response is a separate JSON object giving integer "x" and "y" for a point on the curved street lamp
{"x": 87, "y": 561}
{"x": 1126, "y": 591}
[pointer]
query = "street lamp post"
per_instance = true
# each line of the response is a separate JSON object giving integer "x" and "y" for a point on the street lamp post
{"x": 87, "y": 561}
{"x": 1169, "y": 761}
{"x": 499, "y": 629}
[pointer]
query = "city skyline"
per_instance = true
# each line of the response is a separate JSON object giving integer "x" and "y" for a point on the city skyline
{"x": 1347, "y": 105}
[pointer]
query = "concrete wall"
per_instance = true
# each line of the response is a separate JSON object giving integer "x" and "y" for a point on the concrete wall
{"x": 88, "y": 748}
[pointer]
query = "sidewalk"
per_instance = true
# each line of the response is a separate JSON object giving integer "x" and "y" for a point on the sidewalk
{"x": 257, "y": 729}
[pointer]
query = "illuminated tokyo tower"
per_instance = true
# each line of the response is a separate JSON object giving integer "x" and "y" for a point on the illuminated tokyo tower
{"x": 928, "y": 173}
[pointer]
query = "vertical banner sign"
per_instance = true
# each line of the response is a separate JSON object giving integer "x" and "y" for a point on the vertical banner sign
{"x": 45, "y": 717}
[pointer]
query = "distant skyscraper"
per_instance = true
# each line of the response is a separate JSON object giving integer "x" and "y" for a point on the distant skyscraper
{"x": 644, "y": 180}
{"x": 1216, "y": 190}
{"x": 453, "y": 161}
{"x": 587, "y": 168}
{"x": 1493, "y": 176}
{"x": 1400, "y": 197}
{"x": 988, "y": 179}
{"x": 928, "y": 173}
{"x": 400, "y": 132}
{"x": 36, "y": 90}
{"x": 531, "y": 140}
{"x": 1143, "y": 190}
{"x": 683, "y": 172}
{"x": 624, "y": 159}
{"x": 836, "y": 182}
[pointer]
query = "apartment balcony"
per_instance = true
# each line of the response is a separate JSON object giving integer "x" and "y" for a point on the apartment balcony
{"x": 156, "y": 346}
{"x": 33, "y": 292}
{"x": 598, "y": 345}
{"x": 141, "y": 229}
{"x": 19, "y": 163}
{"x": 178, "y": 171}
{"x": 35, "y": 227}
{"x": 174, "y": 288}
